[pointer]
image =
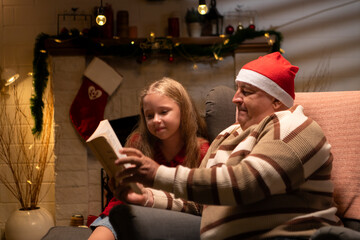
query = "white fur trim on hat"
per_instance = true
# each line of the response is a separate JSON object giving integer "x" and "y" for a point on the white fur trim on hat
{"x": 266, "y": 84}
{"x": 103, "y": 74}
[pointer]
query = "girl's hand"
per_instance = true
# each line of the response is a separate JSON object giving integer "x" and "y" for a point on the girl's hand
{"x": 143, "y": 169}
{"x": 124, "y": 193}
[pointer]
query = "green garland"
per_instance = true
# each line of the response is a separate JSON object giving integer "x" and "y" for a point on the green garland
{"x": 40, "y": 74}
{"x": 40, "y": 66}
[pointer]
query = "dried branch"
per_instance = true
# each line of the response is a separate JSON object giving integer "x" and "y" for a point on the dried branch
{"x": 319, "y": 80}
{"x": 23, "y": 156}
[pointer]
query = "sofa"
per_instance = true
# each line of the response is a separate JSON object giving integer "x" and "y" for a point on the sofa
{"x": 337, "y": 113}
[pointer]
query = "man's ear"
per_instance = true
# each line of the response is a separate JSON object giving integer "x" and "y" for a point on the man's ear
{"x": 278, "y": 106}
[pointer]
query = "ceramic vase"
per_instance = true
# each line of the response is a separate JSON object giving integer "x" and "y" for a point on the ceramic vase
{"x": 194, "y": 29}
{"x": 28, "y": 224}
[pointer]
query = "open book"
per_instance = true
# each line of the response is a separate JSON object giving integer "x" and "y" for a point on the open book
{"x": 105, "y": 145}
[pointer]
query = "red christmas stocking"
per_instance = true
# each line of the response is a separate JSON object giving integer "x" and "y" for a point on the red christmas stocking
{"x": 87, "y": 110}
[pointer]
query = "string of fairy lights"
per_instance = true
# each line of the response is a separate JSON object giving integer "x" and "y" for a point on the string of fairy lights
{"x": 141, "y": 51}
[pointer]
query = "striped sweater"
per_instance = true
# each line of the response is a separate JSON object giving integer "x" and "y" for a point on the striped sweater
{"x": 271, "y": 179}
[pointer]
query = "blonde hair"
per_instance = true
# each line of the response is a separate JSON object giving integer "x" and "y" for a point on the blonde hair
{"x": 192, "y": 125}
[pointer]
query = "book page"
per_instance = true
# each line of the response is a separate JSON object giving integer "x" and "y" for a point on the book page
{"x": 105, "y": 145}
{"x": 104, "y": 129}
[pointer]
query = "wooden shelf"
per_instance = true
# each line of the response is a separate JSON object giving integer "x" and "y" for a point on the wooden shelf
{"x": 74, "y": 47}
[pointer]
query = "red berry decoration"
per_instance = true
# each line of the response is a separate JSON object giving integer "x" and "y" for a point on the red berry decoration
{"x": 229, "y": 30}
{"x": 252, "y": 25}
{"x": 85, "y": 31}
{"x": 143, "y": 57}
{"x": 171, "y": 58}
{"x": 64, "y": 31}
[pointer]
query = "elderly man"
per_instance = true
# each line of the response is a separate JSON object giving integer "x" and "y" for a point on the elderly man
{"x": 267, "y": 177}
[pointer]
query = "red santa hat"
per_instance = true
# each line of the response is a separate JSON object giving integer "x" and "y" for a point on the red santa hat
{"x": 273, "y": 74}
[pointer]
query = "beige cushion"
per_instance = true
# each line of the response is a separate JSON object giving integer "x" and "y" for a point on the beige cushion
{"x": 338, "y": 114}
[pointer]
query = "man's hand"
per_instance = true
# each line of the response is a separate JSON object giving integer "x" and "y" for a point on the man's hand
{"x": 143, "y": 169}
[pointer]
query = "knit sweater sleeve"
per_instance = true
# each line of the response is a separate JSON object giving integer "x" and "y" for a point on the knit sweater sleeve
{"x": 166, "y": 200}
{"x": 280, "y": 155}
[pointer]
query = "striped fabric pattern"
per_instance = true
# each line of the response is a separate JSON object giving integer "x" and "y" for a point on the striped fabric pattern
{"x": 271, "y": 179}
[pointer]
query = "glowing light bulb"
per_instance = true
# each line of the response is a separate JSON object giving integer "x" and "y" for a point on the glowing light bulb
{"x": 11, "y": 79}
{"x": 202, "y": 9}
{"x": 8, "y": 76}
{"x": 100, "y": 20}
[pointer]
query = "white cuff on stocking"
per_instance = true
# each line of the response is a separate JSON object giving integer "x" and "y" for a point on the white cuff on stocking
{"x": 103, "y": 75}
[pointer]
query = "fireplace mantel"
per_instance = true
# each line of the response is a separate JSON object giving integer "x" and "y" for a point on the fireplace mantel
{"x": 72, "y": 47}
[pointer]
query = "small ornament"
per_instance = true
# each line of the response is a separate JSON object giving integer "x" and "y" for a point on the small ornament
{"x": 240, "y": 26}
{"x": 252, "y": 25}
{"x": 171, "y": 58}
{"x": 64, "y": 32}
{"x": 229, "y": 30}
{"x": 85, "y": 31}
{"x": 143, "y": 57}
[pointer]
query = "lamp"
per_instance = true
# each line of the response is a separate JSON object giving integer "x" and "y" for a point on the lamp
{"x": 202, "y": 8}
{"x": 100, "y": 17}
{"x": 8, "y": 76}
